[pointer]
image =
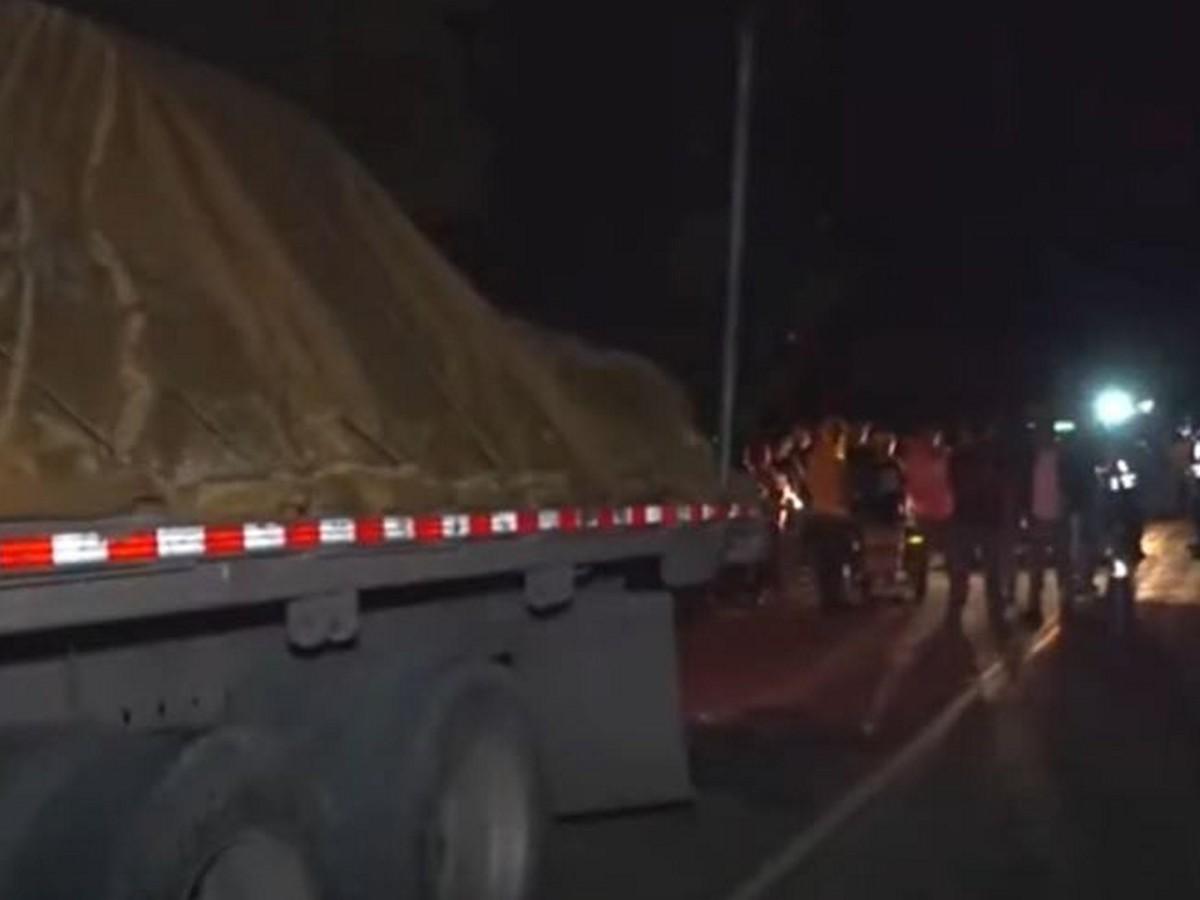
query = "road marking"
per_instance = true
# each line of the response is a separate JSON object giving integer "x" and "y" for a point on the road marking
{"x": 796, "y": 851}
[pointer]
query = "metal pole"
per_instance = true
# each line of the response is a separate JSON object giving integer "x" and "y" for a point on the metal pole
{"x": 737, "y": 228}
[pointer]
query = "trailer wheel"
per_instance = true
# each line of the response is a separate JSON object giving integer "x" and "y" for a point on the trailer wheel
{"x": 219, "y": 817}
{"x": 228, "y": 820}
{"x": 477, "y": 815}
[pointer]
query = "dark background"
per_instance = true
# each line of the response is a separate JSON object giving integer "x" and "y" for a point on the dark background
{"x": 951, "y": 205}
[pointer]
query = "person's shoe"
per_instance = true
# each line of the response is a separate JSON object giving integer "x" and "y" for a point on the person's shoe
{"x": 1033, "y": 618}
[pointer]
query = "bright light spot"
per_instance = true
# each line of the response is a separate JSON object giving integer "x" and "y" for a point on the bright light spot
{"x": 1120, "y": 569}
{"x": 1122, "y": 466}
{"x": 1145, "y": 407}
{"x": 1114, "y": 407}
{"x": 1064, "y": 426}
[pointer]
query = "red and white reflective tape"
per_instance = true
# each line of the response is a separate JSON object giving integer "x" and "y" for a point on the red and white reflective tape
{"x": 89, "y": 549}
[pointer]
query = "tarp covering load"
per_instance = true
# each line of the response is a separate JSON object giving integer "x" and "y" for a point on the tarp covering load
{"x": 209, "y": 310}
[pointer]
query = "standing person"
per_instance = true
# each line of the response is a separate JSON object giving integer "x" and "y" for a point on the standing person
{"x": 930, "y": 501}
{"x": 984, "y": 512}
{"x": 828, "y": 525}
{"x": 1179, "y": 464}
{"x": 1081, "y": 496}
{"x": 880, "y": 515}
{"x": 887, "y": 496}
{"x": 1189, "y": 453}
{"x": 1048, "y": 534}
{"x": 860, "y": 468}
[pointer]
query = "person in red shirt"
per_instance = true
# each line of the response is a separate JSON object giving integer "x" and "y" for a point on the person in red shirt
{"x": 985, "y": 503}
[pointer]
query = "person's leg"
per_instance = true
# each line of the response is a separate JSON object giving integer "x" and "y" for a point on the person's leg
{"x": 1063, "y": 568}
{"x": 917, "y": 562}
{"x": 827, "y": 562}
{"x": 1092, "y": 556}
{"x": 992, "y": 544}
{"x": 852, "y": 548}
{"x": 1039, "y": 552}
{"x": 959, "y": 549}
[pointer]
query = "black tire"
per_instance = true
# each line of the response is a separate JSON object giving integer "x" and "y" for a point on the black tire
{"x": 35, "y": 763}
{"x": 478, "y": 806}
{"x": 441, "y": 797}
{"x": 220, "y": 816}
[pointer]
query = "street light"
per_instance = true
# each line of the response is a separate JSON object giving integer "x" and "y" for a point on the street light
{"x": 1114, "y": 407}
{"x": 737, "y": 226}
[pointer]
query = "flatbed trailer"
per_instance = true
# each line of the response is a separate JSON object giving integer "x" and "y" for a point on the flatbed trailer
{"x": 371, "y": 707}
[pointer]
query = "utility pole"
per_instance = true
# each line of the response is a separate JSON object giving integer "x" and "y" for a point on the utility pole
{"x": 739, "y": 169}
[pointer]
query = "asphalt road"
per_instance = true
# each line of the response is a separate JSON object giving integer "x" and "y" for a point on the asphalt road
{"x": 1076, "y": 773}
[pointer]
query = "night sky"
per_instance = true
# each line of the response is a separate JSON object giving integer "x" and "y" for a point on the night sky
{"x": 951, "y": 204}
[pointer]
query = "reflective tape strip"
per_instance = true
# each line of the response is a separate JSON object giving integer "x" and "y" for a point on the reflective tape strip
{"x": 261, "y": 536}
{"x": 505, "y": 523}
{"x": 480, "y": 525}
{"x": 429, "y": 528}
{"x": 368, "y": 531}
{"x": 140, "y": 547}
{"x": 81, "y": 548}
{"x": 224, "y": 541}
{"x": 337, "y": 531}
{"x": 398, "y": 528}
{"x": 24, "y": 554}
{"x": 527, "y": 521}
{"x": 303, "y": 535}
{"x": 456, "y": 526}
{"x": 175, "y": 541}
{"x": 86, "y": 548}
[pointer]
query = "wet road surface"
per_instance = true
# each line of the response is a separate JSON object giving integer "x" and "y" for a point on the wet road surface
{"x": 1075, "y": 772}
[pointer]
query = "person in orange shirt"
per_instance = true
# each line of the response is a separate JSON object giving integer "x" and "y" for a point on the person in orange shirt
{"x": 829, "y": 530}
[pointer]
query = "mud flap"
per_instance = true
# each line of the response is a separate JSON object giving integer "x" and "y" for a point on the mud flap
{"x": 602, "y": 682}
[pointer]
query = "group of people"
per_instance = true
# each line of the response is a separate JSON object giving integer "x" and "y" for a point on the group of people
{"x": 989, "y": 498}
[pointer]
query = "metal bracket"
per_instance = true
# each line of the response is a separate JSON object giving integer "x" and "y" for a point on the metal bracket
{"x": 313, "y": 622}
{"x": 549, "y": 587}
